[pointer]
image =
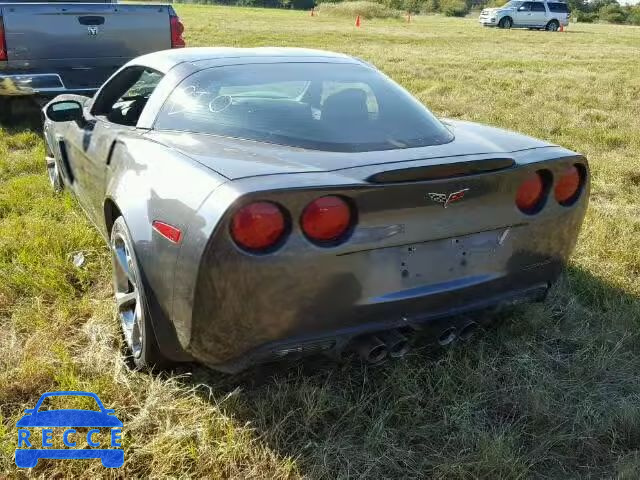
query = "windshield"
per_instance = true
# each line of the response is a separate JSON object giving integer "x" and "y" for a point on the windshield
{"x": 512, "y": 4}
{"x": 322, "y": 106}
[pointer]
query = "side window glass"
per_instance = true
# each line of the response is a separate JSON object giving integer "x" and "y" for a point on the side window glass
{"x": 537, "y": 7}
{"x": 123, "y": 99}
{"x": 525, "y": 7}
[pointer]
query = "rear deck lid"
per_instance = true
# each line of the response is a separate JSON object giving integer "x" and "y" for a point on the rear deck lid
{"x": 236, "y": 158}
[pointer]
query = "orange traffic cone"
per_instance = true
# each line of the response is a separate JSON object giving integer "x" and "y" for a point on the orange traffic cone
{"x": 561, "y": 28}
{"x": 313, "y": 12}
{"x": 358, "y": 21}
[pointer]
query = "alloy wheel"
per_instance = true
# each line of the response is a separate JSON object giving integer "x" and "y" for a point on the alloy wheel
{"x": 54, "y": 174}
{"x": 127, "y": 290}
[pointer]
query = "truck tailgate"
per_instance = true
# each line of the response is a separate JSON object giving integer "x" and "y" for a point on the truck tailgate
{"x": 83, "y": 42}
{"x": 49, "y": 31}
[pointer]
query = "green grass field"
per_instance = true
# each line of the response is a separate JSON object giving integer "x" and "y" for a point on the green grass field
{"x": 552, "y": 392}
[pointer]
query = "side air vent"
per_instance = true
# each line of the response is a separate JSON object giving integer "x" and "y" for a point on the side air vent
{"x": 439, "y": 172}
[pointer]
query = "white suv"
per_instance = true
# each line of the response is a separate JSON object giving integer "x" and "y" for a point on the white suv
{"x": 516, "y": 13}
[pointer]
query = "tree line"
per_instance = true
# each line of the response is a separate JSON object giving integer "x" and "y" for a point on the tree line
{"x": 609, "y": 11}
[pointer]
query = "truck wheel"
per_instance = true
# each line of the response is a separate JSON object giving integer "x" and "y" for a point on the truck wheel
{"x": 552, "y": 26}
{"x": 131, "y": 303}
{"x": 5, "y": 110}
{"x": 505, "y": 22}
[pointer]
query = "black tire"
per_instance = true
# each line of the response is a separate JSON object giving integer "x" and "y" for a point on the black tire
{"x": 505, "y": 22}
{"x": 552, "y": 26}
{"x": 5, "y": 110}
{"x": 131, "y": 302}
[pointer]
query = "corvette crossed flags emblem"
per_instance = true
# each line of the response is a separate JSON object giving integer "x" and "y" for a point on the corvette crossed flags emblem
{"x": 448, "y": 199}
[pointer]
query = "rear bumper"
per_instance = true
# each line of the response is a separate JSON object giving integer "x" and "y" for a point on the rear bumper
{"x": 49, "y": 84}
{"x": 248, "y": 314}
{"x": 430, "y": 326}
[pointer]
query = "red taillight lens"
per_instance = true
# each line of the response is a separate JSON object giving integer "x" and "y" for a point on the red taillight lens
{"x": 568, "y": 186}
{"x": 326, "y": 219}
{"x": 3, "y": 43}
{"x": 177, "y": 29}
{"x": 258, "y": 226}
{"x": 531, "y": 193}
{"x": 167, "y": 231}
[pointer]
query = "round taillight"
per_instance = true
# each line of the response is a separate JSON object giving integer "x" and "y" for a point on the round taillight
{"x": 326, "y": 219}
{"x": 531, "y": 193}
{"x": 258, "y": 226}
{"x": 568, "y": 185}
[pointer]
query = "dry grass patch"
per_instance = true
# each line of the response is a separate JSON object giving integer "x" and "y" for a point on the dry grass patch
{"x": 553, "y": 392}
{"x": 367, "y": 10}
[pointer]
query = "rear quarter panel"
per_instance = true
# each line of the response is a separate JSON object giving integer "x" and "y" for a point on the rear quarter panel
{"x": 148, "y": 182}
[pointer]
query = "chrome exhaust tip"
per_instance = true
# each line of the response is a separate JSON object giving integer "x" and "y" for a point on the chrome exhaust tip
{"x": 447, "y": 337}
{"x": 468, "y": 331}
{"x": 397, "y": 344}
{"x": 371, "y": 349}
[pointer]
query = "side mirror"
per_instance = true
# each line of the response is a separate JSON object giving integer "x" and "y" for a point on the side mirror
{"x": 29, "y": 410}
{"x": 65, "y": 111}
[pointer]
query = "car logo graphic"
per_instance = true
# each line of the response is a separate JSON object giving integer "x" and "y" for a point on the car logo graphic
{"x": 93, "y": 31}
{"x": 448, "y": 199}
{"x": 69, "y": 419}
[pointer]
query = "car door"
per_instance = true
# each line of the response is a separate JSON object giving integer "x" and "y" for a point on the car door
{"x": 523, "y": 15}
{"x": 559, "y": 11}
{"x": 114, "y": 112}
{"x": 538, "y": 16}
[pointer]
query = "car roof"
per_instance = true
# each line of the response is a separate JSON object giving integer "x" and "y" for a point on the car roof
{"x": 205, "y": 57}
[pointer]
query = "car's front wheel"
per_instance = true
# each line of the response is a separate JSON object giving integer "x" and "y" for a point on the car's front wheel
{"x": 505, "y": 22}
{"x": 552, "y": 26}
{"x": 131, "y": 304}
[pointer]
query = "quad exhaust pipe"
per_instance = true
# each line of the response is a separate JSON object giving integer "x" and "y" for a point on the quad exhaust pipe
{"x": 374, "y": 349}
{"x": 468, "y": 331}
{"x": 371, "y": 349}
{"x": 450, "y": 335}
{"x": 447, "y": 337}
{"x": 397, "y": 344}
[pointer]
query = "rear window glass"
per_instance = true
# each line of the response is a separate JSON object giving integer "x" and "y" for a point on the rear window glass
{"x": 559, "y": 7}
{"x": 321, "y": 106}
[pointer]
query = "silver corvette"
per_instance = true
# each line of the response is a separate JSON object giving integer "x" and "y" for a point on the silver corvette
{"x": 272, "y": 202}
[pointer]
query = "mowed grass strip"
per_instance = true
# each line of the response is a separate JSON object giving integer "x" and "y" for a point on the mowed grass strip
{"x": 552, "y": 392}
